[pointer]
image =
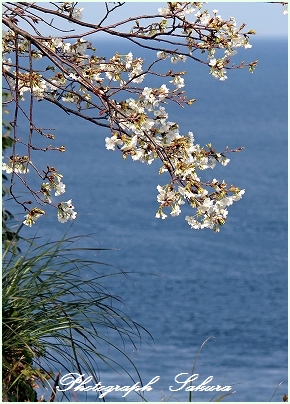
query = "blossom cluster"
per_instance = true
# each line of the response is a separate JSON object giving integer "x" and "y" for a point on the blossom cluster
{"x": 32, "y": 216}
{"x": 149, "y": 138}
{"x": 143, "y": 131}
{"x": 207, "y": 32}
{"x": 65, "y": 210}
{"x": 19, "y": 165}
{"x": 91, "y": 73}
{"x": 54, "y": 184}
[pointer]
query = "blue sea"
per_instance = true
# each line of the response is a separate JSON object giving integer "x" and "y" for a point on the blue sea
{"x": 187, "y": 285}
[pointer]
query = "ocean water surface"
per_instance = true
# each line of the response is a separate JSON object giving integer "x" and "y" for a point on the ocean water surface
{"x": 185, "y": 285}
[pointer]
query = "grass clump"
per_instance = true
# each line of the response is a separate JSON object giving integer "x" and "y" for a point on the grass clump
{"x": 57, "y": 315}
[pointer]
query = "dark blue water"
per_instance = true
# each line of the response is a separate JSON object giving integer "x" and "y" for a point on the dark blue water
{"x": 230, "y": 285}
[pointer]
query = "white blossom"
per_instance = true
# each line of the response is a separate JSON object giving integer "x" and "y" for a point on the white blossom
{"x": 194, "y": 224}
{"x": 16, "y": 167}
{"x": 175, "y": 211}
{"x": 66, "y": 211}
{"x": 178, "y": 58}
{"x": 6, "y": 64}
{"x": 57, "y": 42}
{"x": 129, "y": 59}
{"x": 59, "y": 189}
{"x": 78, "y": 13}
{"x": 112, "y": 142}
{"x": 222, "y": 159}
{"x": 81, "y": 46}
{"x": 162, "y": 55}
{"x": 131, "y": 145}
{"x": 238, "y": 196}
{"x": 163, "y": 11}
{"x": 177, "y": 81}
{"x": 161, "y": 214}
{"x": 32, "y": 216}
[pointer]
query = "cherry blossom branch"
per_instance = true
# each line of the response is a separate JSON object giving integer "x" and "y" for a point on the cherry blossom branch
{"x": 110, "y": 93}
